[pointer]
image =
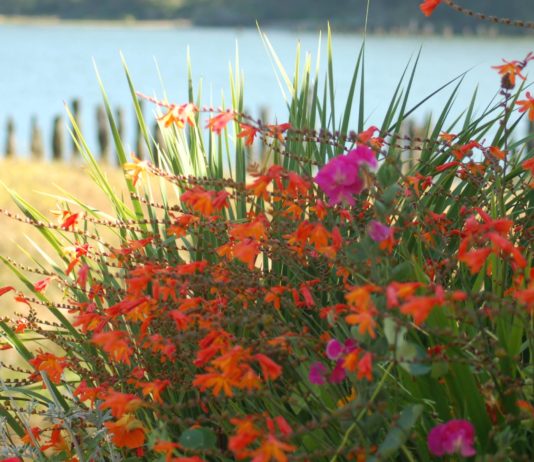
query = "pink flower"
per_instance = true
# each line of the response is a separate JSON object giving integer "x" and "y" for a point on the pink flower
{"x": 377, "y": 231}
{"x": 338, "y": 374}
{"x": 317, "y": 373}
{"x": 334, "y": 349}
{"x": 340, "y": 178}
{"x": 452, "y": 437}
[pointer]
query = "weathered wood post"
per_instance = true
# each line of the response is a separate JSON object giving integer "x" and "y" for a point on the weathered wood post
{"x": 58, "y": 146}
{"x": 36, "y": 143}
{"x": 11, "y": 149}
{"x": 159, "y": 142}
{"x": 530, "y": 144}
{"x": 139, "y": 141}
{"x": 264, "y": 118}
{"x": 103, "y": 133}
{"x": 76, "y": 113}
{"x": 121, "y": 127}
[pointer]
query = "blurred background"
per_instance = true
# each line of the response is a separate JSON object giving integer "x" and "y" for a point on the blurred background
{"x": 48, "y": 50}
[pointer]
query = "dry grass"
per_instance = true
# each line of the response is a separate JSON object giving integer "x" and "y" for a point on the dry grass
{"x": 36, "y": 182}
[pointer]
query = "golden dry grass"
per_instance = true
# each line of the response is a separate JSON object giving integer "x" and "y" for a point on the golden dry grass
{"x": 35, "y": 182}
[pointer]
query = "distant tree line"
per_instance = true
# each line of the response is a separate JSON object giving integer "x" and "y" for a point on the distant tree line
{"x": 385, "y": 14}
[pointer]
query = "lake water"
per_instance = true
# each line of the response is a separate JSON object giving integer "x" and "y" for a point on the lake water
{"x": 43, "y": 66}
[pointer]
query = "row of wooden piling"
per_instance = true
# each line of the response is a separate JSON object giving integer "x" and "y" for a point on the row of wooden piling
{"x": 59, "y": 149}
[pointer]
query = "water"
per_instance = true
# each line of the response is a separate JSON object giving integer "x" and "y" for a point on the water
{"x": 44, "y": 66}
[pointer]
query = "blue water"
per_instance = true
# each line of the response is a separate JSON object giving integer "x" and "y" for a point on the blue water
{"x": 44, "y": 66}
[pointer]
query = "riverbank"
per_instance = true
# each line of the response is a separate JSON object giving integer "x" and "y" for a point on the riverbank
{"x": 305, "y": 25}
{"x": 127, "y": 22}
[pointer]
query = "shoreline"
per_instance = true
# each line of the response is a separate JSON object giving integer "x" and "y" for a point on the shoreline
{"x": 57, "y": 21}
{"x": 301, "y": 26}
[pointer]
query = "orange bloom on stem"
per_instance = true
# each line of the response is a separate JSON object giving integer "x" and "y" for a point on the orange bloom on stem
{"x": 120, "y": 403}
{"x": 115, "y": 344}
{"x": 272, "y": 449}
{"x": 428, "y": 6}
{"x": 127, "y": 432}
{"x": 179, "y": 115}
{"x": 51, "y": 364}
{"x": 249, "y": 132}
{"x": 218, "y": 123}
{"x": 135, "y": 168}
{"x": 277, "y": 131}
{"x": 527, "y": 105}
{"x": 509, "y": 70}
{"x": 31, "y": 437}
{"x": 269, "y": 369}
{"x": 155, "y": 388}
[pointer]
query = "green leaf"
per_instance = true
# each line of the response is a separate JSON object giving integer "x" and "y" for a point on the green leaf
{"x": 198, "y": 438}
{"x": 398, "y": 435}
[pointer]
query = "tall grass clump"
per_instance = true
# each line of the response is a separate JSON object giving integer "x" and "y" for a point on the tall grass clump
{"x": 350, "y": 295}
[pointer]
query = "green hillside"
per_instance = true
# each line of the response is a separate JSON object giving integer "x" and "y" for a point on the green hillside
{"x": 347, "y": 13}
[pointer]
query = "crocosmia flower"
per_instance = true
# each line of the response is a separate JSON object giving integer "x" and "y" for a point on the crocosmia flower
{"x": 452, "y": 437}
{"x": 341, "y": 177}
{"x": 428, "y": 6}
{"x": 378, "y": 232}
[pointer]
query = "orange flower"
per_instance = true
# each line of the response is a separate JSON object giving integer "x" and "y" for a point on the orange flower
{"x": 498, "y": 153}
{"x": 127, "y": 432}
{"x": 509, "y": 70}
{"x": 527, "y": 105}
{"x": 179, "y": 115}
{"x": 269, "y": 369}
{"x": 218, "y": 123}
{"x": 34, "y": 435}
{"x": 135, "y": 169}
{"x": 85, "y": 393}
{"x": 419, "y": 307}
{"x": 219, "y": 382}
{"x": 165, "y": 447}
{"x": 272, "y": 449}
{"x": 247, "y": 252}
{"x": 120, "y": 403}
{"x": 57, "y": 442}
{"x": 115, "y": 344}
{"x": 475, "y": 259}
{"x": 205, "y": 202}
{"x": 51, "y": 364}
{"x": 249, "y": 132}
{"x": 5, "y": 290}
{"x": 428, "y": 6}
{"x": 365, "y": 367}
{"x": 155, "y": 388}
{"x": 276, "y": 131}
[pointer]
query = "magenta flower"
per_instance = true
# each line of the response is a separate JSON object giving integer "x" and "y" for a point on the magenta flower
{"x": 452, "y": 437}
{"x": 340, "y": 178}
{"x": 334, "y": 349}
{"x": 338, "y": 374}
{"x": 317, "y": 374}
{"x": 377, "y": 231}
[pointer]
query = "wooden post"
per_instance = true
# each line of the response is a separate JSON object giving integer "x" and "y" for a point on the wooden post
{"x": 530, "y": 144}
{"x": 159, "y": 141}
{"x": 11, "y": 149}
{"x": 121, "y": 127}
{"x": 58, "y": 146}
{"x": 76, "y": 113}
{"x": 36, "y": 143}
{"x": 139, "y": 141}
{"x": 264, "y": 119}
{"x": 120, "y": 122}
{"x": 103, "y": 133}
